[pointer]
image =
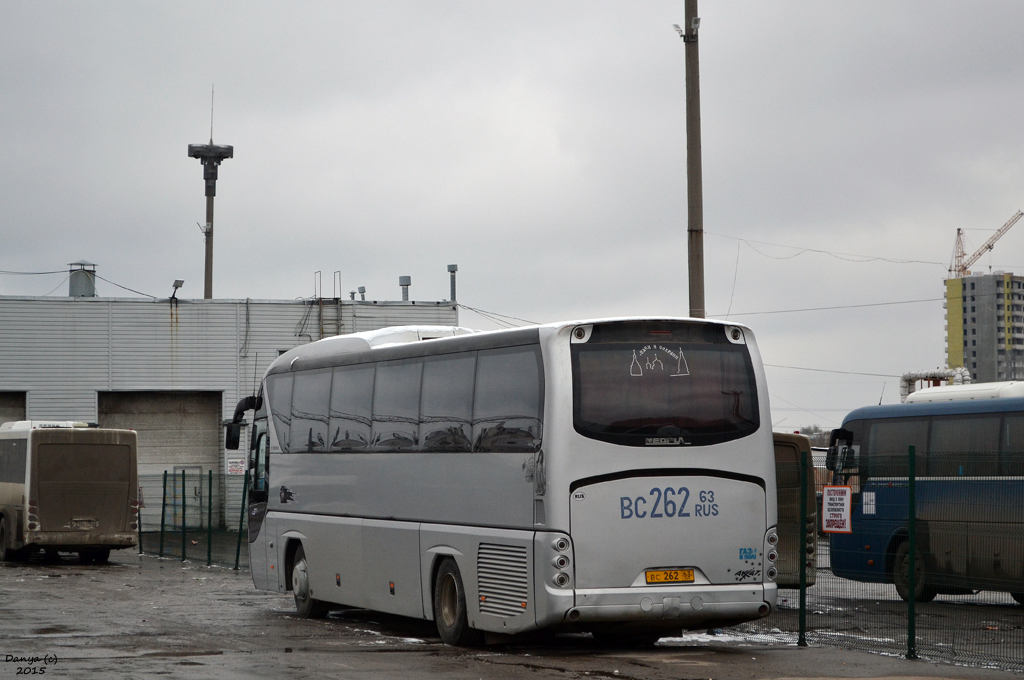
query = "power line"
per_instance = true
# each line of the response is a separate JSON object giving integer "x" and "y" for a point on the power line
{"x": 823, "y": 309}
{"x": 13, "y": 273}
{"x": 799, "y": 408}
{"x": 835, "y": 254}
{"x": 825, "y": 370}
{"x": 58, "y": 285}
{"x": 493, "y": 316}
{"x": 130, "y": 290}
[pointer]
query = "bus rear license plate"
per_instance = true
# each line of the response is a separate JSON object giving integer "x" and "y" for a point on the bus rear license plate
{"x": 670, "y": 576}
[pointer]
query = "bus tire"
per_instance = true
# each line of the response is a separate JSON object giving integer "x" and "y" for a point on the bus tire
{"x": 1018, "y": 597}
{"x": 900, "y": 575}
{"x": 6, "y": 554}
{"x": 450, "y": 612}
{"x": 305, "y": 605}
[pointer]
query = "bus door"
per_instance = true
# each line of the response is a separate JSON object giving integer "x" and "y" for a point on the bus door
{"x": 259, "y": 536}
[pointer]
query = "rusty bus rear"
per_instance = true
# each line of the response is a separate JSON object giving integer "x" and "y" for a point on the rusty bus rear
{"x": 79, "y": 492}
{"x": 788, "y": 448}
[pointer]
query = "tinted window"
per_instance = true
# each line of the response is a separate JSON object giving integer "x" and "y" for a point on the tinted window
{"x": 508, "y": 400}
{"x": 12, "y": 460}
{"x": 964, "y": 446}
{"x": 310, "y": 396}
{"x": 279, "y": 390}
{"x": 351, "y": 400}
{"x": 639, "y": 384}
{"x": 1012, "y": 455}
{"x": 889, "y": 442}
{"x": 396, "y": 405}
{"x": 446, "y": 406}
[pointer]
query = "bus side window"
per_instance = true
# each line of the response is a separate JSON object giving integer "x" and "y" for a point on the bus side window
{"x": 889, "y": 443}
{"x": 279, "y": 391}
{"x": 396, "y": 405}
{"x": 446, "y": 405}
{"x": 965, "y": 446}
{"x": 508, "y": 400}
{"x": 1012, "y": 454}
{"x": 310, "y": 397}
{"x": 351, "y": 403}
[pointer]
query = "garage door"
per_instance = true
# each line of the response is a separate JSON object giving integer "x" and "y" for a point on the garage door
{"x": 177, "y": 431}
{"x": 12, "y": 406}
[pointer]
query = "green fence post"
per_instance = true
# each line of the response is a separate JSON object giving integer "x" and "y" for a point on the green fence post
{"x": 912, "y": 557}
{"x": 802, "y": 641}
{"x": 241, "y": 520}
{"x": 184, "y": 536}
{"x": 163, "y": 515}
{"x": 209, "y": 520}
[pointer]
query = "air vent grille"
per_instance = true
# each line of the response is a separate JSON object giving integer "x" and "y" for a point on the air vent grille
{"x": 502, "y": 574}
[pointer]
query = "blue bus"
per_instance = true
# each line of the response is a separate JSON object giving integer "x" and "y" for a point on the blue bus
{"x": 969, "y": 463}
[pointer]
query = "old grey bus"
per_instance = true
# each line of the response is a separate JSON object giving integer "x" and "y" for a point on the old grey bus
{"x": 65, "y": 486}
{"x": 613, "y": 476}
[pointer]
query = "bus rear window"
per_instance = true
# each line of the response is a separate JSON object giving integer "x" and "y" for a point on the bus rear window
{"x": 664, "y": 384}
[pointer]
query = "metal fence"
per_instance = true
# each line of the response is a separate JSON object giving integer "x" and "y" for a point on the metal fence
{"x": 929, "y": 563}
{"x": 194, "y": 516}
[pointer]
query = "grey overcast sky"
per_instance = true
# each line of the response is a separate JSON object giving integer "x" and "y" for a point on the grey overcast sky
{"x": 539, "y": 145}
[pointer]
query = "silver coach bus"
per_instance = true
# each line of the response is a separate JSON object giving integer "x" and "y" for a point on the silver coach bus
{"x": 615, "y": 476}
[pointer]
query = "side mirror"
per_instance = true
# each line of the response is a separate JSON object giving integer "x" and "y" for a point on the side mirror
{"x": 233, "y": 427}
{"x": 232, "y": 435}
{"x": 838, "y": 443}
{"x": 831, "y": 458}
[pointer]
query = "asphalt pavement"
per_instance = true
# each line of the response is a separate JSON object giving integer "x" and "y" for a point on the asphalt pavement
{"x": 147, "y": 617}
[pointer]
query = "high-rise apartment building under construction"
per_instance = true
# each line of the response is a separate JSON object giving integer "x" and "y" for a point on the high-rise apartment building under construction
{"x": 985, "y": 325}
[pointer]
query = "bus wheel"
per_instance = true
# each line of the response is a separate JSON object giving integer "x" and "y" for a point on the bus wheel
{"x": 1019, "y": 597}
{"x": 901, "y": 574}
{"x": 6, "y": 554}
{"x": 450, "y": 607}
{"x": 305, "y": 605}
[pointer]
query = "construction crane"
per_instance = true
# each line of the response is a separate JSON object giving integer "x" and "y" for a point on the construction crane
{"x": 961, "y": 263}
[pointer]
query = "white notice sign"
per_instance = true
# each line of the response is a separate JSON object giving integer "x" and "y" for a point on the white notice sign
{"x": 236, "y": 466}
{"x": 835, "y": 510}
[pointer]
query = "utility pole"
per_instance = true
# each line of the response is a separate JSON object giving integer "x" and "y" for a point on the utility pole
{"x": 694, "y": 181}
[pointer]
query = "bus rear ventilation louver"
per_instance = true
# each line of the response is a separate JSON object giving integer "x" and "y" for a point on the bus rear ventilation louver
{"x": 502, "y": 579}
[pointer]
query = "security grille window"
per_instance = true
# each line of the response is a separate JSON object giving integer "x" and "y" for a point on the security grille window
{"x": 310, "y": 396}
{"x": 643, "y": 384}
{"x": 446, "y": 418}
{"x": 351, "y": 402}
{"x": 279, "y": 390}
{"x": 508, "y": 400}
{"x": 396, "y": 405}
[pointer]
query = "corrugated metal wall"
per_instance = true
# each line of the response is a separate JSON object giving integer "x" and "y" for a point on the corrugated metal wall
{"x": 59, "y": 354}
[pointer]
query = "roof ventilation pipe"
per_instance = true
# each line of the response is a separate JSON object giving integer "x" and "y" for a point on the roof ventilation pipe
{"x": 405, "y": 282}
{"x": 82, "y": 279}
{"x": 959, "y": 376}
{"x": 452, "y": 268}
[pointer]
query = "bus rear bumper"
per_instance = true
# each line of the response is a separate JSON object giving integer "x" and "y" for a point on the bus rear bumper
{"x": 81, "y": 539}
{"x": 687, "y": 607}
